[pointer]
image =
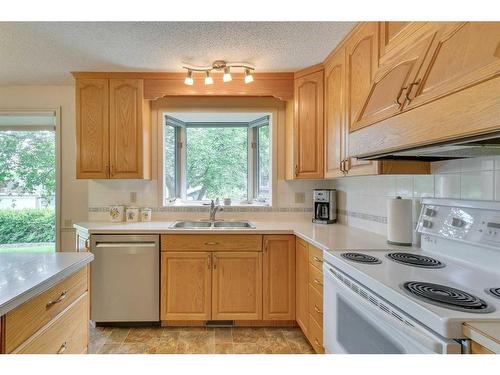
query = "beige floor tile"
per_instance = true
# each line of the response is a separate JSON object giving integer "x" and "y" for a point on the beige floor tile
{"x": 224, "y": 348}
{"x": 117, "y": 335}
{"x": 223, "y": 335}
{"x": 245, "y": 348}
{"x": 247, "y": 335}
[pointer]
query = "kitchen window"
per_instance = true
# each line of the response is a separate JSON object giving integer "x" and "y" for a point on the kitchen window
{"x": 217, "y": 155}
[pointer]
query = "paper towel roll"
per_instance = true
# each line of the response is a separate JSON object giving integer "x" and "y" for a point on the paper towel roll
{"x": 399, "y": 222}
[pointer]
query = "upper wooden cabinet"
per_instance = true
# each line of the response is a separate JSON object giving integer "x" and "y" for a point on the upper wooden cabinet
{"x": 463, "y": 54}
{"x": 279, "y": 277}
{"x": 308, "y": 124}
{"x": 395, "y": 34}
{"x": 92, "y": 128}
{"x": 113, "y": 129}
{"x": 335, "y": 125}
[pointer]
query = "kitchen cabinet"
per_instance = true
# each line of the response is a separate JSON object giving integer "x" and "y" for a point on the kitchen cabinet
{"x": 477, "y": 348}
{"x": 308, "y": 124}
{"x": 113, "y": 129}
{"x": 396, "y": 35}
{"x": 54, "y": 322}
{"x": 186, "y": 285}
{"x": 237, "y": 286}
{"x": 302, "y": 284}
{"x": 315, "y": 298}
{"x": 279, "y": 277}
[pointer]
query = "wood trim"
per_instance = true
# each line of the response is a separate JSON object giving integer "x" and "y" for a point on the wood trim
{"x": 237, "y": 323}
{"x": 345, "y": 40}
{"x": 160, "y": 84}
{"x": 309, "y": 70}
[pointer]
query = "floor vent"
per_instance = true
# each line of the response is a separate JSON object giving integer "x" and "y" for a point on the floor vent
{"x": 219, "y": 323}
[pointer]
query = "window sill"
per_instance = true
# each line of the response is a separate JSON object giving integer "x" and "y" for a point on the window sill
{"x": 200, "y": 205}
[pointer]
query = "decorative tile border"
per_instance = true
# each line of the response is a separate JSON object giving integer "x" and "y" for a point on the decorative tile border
{"x": 363, "y": 216}
{"x": 226, "y": 209}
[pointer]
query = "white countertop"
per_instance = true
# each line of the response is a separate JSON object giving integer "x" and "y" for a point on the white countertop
{"x": 26, "y": 275}
{"x": 326, "y": 237}
{"x": 485, "y": 333}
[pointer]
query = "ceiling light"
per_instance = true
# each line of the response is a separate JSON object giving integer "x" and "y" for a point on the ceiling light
{"x": 248, "y": 76}
{"x": 208, "y": 80}
{"x": 227, "y": 75}
{"x": 189, "y": 78}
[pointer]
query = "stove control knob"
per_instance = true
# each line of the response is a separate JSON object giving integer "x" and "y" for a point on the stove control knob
{"x": 456, "y": 222}
{"x": 427, "y": 224}
{"x": 430, "y": 212}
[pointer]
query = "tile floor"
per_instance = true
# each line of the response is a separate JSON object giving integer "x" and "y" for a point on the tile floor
{"x": 198, "y": 340}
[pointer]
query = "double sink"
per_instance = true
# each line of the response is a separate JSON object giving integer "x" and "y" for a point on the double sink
{"x": 218, "y": 224}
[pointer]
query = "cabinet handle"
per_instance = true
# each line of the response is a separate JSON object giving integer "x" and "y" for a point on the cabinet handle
{"x": 399, "y": 95}
{"x": 317, "y": 342}
{"x": 87, "y": 244}
{"x": 215, "y": 262}
{"x": 316, "y": 308}
{"x": 342, "y": 166}
{"x": 111, "y": 170}
{"x": 296, "y": 170}
{"x": 211, "y": 243}
{"x": 410, "y": 87}
{"x": 317, "y": 259}
{"x": 209, "y": 261}
{"x": 59, "y": 299}
{"x": 62, "y": 348}
{"x": 316, "y": 281}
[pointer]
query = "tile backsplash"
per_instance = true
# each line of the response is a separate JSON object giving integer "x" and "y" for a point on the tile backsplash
{"x": 363, "y": 200}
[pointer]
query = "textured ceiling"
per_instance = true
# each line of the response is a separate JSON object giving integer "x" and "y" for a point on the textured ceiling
{"x": 45, "y": 52}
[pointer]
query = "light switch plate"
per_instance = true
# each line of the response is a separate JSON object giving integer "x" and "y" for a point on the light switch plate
{"x": 300, "y": 197}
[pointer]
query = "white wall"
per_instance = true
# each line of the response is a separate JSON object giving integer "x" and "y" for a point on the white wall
{"x": 362, "y": 200}
{"x": 73, "y": 192}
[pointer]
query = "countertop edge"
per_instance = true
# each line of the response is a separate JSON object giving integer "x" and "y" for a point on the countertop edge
{"x": 44, "y": 285}
{"x": 481, "y": 337}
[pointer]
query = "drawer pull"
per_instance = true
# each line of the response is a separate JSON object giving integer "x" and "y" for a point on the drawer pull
{"x": 211, "y": 243}
{"x": 317, "y": 259}
{"x": 316, "y": 281}
{"x": 59, "y": 299}
{"x": 63, "y": 348}
{"x": 316, "y": 308}
{"x": 317, "y": 342}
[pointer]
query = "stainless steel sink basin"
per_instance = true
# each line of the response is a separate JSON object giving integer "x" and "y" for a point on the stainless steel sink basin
{"x": 191, "y": 224}
{"x": 233, "y": 224}
{"x": 220, "y": 224}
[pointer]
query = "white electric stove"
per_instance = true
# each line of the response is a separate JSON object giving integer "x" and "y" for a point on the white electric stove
{"x": 416, "y": 300}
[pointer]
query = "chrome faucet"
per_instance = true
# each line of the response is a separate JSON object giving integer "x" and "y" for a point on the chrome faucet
{"x": 214, "y": 208}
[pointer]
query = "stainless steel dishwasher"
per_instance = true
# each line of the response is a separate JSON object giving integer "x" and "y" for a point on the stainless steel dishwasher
{"x": 125, "y": 282}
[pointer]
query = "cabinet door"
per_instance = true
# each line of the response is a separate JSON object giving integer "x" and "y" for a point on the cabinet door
{"x": 335, "y": 114}
{"x": 396, "y": 34}
{"x": 392, "y": 84}
{"x": 464, "y": 54}
{"x": 302, "y": 284}
{"x": 126, "y": 128}
{"x": 308, "y": 128}
{"x": 186, "y": 285}
{"x": 361, "y": 64}
{"x": 92, "y": 128}
{"x": 237, "y": 286}
{"x": 279, "y": 277}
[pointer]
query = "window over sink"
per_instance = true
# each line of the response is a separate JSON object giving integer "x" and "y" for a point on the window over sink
{"x": 217, "y": 155}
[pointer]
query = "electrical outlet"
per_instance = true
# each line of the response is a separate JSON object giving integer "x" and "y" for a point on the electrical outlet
{"x": 133, "y": 197}
{"x": 300, "y": 197}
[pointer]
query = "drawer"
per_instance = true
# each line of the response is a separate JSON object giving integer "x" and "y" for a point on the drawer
{"x": 211, "y": 242}
{"x": 316, "y": 279}
{"x": 316, "y": 305}
{"x": 25, "y": 320}
{"x": 67, "y": 334}
{"x": 316, "y": 257}
{"x": 315, "y": 335}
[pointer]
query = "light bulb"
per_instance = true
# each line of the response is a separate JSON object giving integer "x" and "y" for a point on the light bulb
{"x": 248, "y": 76}
{"x": 208, "y": 80}
{"x": 227, "y": 75}
{"x": 189, "y": 78}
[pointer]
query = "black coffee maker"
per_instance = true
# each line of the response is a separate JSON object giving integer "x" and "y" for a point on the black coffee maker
{"x": 325, "y": 206}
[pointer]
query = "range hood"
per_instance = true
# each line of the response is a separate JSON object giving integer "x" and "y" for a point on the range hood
{"x": 472, "y": 147}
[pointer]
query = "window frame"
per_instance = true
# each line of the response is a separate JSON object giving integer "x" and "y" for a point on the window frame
{"x": 181, "y": 157}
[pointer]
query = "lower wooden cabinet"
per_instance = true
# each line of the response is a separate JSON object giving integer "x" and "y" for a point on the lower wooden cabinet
{"x": 477, "y": 348}
{"x": 237, "y": 286}
{"x": 302, "y": 284}
{"x": 186, "y": 285}
{"x": 279, "y": 277}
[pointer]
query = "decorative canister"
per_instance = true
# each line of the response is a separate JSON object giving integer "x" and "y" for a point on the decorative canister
{"x": 132, "y": 214}
{"x": 146, "y": 214}
{"x": 116, "y": 213}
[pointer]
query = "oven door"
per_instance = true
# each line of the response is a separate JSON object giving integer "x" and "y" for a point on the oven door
{"x": 354, "y": 323}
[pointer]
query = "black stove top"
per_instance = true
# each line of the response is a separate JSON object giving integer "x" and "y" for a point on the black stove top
{"x": 445, "y": 296}
{"x": 360, "y": 258}
{"x": 415, "y": 260}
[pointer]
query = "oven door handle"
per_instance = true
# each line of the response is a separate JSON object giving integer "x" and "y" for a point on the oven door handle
{"x": 425, "y": 340}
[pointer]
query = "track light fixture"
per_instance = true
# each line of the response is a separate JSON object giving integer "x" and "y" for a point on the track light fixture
{"x": 218, "y": 65}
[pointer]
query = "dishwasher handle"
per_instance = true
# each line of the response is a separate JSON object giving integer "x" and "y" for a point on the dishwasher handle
{"x": 125, "y": 244}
